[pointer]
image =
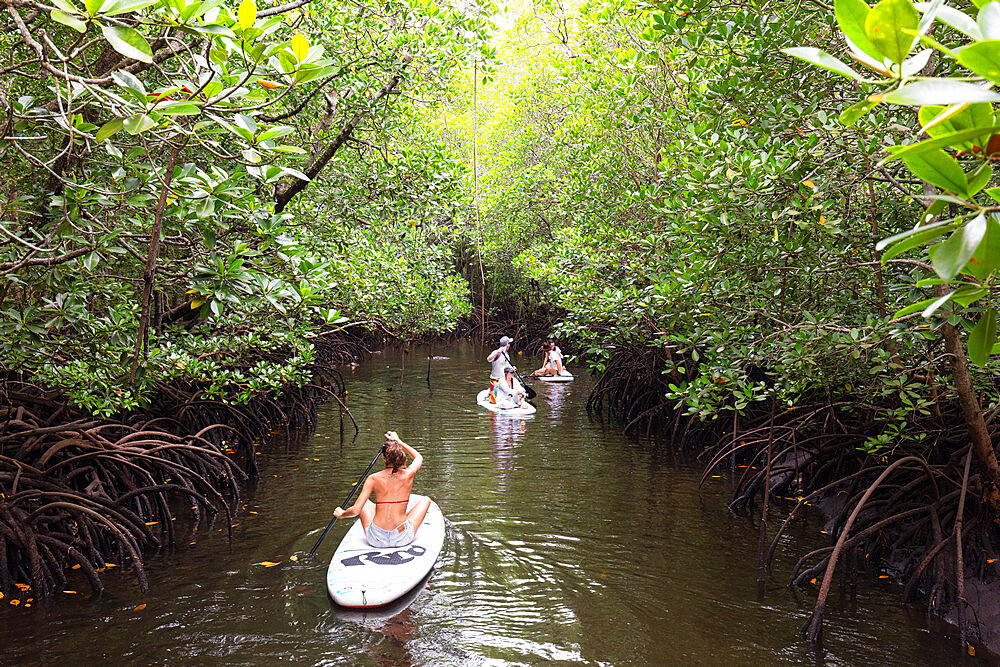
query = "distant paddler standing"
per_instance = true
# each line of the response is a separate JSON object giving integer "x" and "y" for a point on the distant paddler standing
{"x": 498, "y": 358}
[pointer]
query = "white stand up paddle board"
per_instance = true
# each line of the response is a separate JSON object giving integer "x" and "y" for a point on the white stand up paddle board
{"x": 362, "y": 576}
{"x": 565, "y": 376}
{"x": 483, "y": 400}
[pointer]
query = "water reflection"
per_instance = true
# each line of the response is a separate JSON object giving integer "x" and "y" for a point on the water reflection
{"x": 566, "y": 543}
{"x": 506, "y": 434}
{"x": 555, "y": 395}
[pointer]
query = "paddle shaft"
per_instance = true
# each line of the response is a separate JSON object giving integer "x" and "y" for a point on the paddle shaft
{"x": 349, "y": 496}
{"x": 528, "y": 391}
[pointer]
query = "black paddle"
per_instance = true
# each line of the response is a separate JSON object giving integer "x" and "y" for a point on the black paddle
{"x": 349, "y": 496}
{"x": 528, "y": 391}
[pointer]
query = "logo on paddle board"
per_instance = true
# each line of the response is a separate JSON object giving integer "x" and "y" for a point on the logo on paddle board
{"x": 398, "y": 557}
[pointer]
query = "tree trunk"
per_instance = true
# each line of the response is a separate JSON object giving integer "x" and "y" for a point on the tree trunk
{"x": 150, "y": 272}
{"x": 285, "y": 190}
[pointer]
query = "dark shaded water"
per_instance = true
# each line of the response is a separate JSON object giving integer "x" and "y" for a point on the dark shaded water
{"x": 566, "y": 544}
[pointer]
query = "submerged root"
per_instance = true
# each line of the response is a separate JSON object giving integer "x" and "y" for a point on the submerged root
{"x": 916, "y": 514}
{"x": 87, "y": 494}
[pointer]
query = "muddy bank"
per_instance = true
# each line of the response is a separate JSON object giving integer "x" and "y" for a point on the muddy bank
{"x": 88, "y": 494}
{"x": 918, "y": 514}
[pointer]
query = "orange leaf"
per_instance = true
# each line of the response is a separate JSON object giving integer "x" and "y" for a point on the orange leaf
{"x": 268, "y": 563}
{"x": 23, "y": 587}
{"x": 152, "y": 523}
{"x": 71, "y": 592}
{"x": 15, "y": 602}
{"x": 270, "y": 85}
{"x": 991, "y": 560}
{"x": 970, "y": 648}
{"x": 140, "y": 607}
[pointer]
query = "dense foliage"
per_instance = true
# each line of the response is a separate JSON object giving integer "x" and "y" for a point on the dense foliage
{"x": 671, "y": 180}
{"x": 186, "y": 182}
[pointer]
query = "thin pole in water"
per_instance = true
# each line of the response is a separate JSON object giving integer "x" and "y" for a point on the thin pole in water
{"x": 349, "y": 496}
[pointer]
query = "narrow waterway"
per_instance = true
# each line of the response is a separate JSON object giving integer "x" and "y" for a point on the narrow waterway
{"x": 566, "y": 544}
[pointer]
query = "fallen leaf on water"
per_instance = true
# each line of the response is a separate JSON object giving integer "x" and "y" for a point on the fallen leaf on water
{"x": 15, "y": 602}
{"x": 267, "y": 563}
{"x": 140, "y": 607}
{"x": 110, "y": 565}
{"x": 883, "y": 576}
{"x": 192, "y": 543}
{"x": 235, "y": 524}
{"x": 293, "y": 558}
{"x": 23, "y": 587}
{"x": 603, "y": 574}
{"x": 315, "y": 459}
{"x": 71, "y": 592}
{"x": 75, "y": 567}
{"x": 991, "y": 560}
{"x": 970, "y": 648}
{"x": 812, "y": 581}
{"x": 252, "y": 512}
{"x": 152, "y": 523}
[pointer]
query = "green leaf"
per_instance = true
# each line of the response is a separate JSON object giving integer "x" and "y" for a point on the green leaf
{"x": 822, "y": 59}
{"x": 989, "y": 20}
{"x": 895, "y": 238}
{"x": 986, "y": 259}
{"x": 885, "y": 24}
{"x": 128, "y": 42}
{"x": 950, "y": 256}
{"x": 856, "y": 112}
{"x": 178, "y": 108}
{"x": 138, "y": 123}
{"x": 936, "y": 304}
{"x": 309, "y": 73}
{"x": 917, "y": 239}
{"x": 921, "y": 305}
{"x": 954, "y": 139}
{"x": 109, "y": 128}
{"x": 125, "y": 6}
{"x": 937, "y": 91}
{"x": 247, "y": 14}
{"x": 982, "y": 337}
{"x": 93, "y": 6}
{"x": 983, "y": 58}
{"x": 66, "y": 6}
{"x": 300, "y": 47}
{"x": 940, "y": 169}
{"x": 851, "y": 17}
{"x": 67, "y": 19}
{"x": 979, "y": 179}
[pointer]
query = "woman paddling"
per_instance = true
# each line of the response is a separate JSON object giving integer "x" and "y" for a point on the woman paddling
{"x": 386, "y": 522}
{"x": 553, "y": 361}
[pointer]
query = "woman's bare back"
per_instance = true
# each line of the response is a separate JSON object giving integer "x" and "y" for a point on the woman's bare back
{"x": 391, "y": 490}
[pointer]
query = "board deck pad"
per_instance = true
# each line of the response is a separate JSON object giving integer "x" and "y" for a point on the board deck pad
{"x": 565, "y": 376}
{"x": 483, "y": 400}
{"x": 363, "y": 576}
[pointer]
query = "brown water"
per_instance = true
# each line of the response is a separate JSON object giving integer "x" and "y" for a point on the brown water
{"x": 566, "y": 544}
